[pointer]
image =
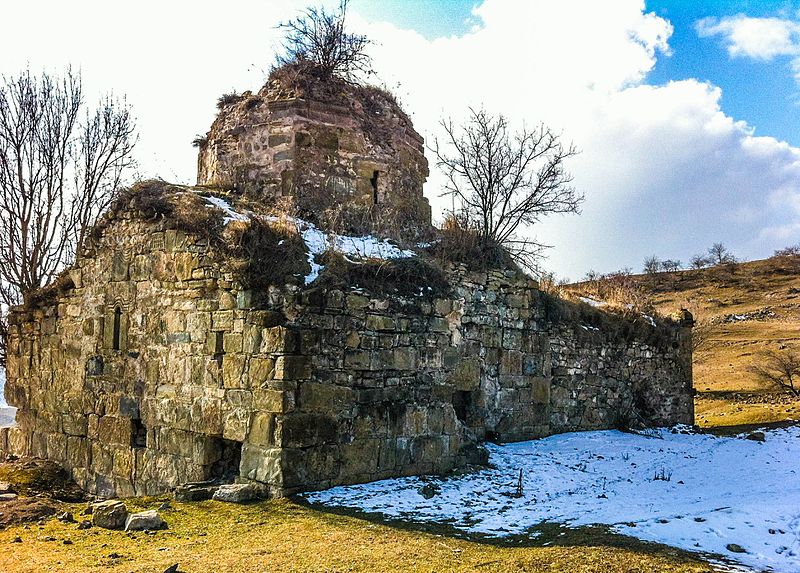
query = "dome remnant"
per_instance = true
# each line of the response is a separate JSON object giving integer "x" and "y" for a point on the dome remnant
{"x": 347, "y": 155}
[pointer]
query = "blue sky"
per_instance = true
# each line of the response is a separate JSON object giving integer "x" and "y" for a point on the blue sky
{"x": 686, "y": 113}
{"x": 765, "y": 94}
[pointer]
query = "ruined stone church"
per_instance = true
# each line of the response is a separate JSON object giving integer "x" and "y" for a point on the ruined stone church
{"x": 190, "y": 342}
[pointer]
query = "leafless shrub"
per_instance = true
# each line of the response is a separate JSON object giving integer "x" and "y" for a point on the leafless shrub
{"x": 652, "y": 265}
{"x": 501, "y": 182}
{"x": 662, "y": 475}
{"x": 718, "y": 254}
{"x": 671, "y": 266}
{"x": 699, "y": 262}
{"x": 790, "y": 251}
{"x": 779, "y": 369}
{"x": 317, "y": 40}
{"x": 460, "y": 243}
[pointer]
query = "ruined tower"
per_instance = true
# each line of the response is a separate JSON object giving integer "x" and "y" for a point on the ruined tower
{"x": 347, "y": 155}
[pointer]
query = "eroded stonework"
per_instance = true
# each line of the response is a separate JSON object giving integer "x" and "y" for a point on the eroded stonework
{"x": 154, "y": 367}
{"x": 162, "y": 358}
{"x": 349, "y": 160}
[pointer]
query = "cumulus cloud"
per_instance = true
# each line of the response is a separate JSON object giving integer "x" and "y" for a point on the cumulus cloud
{"x": 664, "y": 169}
{"x": 757, "y": 38}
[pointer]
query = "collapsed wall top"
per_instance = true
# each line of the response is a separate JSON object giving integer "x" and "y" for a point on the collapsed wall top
{"x": 347, "y": 155}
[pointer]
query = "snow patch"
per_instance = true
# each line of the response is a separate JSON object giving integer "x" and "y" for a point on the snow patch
{"x": 593, "y": 302}
{"x": 317, "y": 241}
{"x": 694, "y": 491}
{"x": 225, "y": 207}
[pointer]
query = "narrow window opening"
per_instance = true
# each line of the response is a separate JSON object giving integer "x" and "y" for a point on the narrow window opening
{"x": 462, "y": 403}
{"x": 116, "y": 342}
{"x": 223, "y": 458}
{"x": 219, "y": 348}
{"x": 374, "y": 183}
{"x": 138, "y": 434}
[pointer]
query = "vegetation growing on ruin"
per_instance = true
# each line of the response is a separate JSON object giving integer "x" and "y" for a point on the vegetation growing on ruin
{"x": 614, "y": 325}
{"x": 266, "y": 253}
{"x": 407, "y": 277}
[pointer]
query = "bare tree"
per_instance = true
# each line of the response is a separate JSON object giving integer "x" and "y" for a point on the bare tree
{"x": 671, "y": 265}
{"x": 790, "y": 251}
{"x": 318, "y": 40}
{"x": 718, "y": 254}
{"x": 699, "y": 262}
{"x": 501, "y": 181}
{"x": 60, "y": 162}
{"x": 779, "y": 369}
{"x": 651, "y": 265}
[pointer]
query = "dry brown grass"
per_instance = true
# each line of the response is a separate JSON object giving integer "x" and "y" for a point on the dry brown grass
{"x": 280, "y": 536}
{"x": 728, "y": 392}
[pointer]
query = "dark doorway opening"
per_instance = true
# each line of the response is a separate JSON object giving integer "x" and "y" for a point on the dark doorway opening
{"x": 374, "y": 183}
{"x": 222, "y": 459}
{"x": 138, "y": 434}
{"x": 462, "y": 404}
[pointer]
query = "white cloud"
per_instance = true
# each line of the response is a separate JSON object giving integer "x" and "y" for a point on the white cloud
{"x": 664, "y": 169}
{"x": 757, "y": 38}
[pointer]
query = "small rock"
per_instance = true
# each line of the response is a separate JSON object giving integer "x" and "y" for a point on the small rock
{"x": 5, "y": 487}
{"x": 236, "y": 493}
{"x": 66, "y": 517}
{"x": 109, "y": 514}
{"x": 172, "y": 569}
{"x": 164, "y": 506}
{"x": 114, "y": 556}
{"x": 17, "y": 539}
{"x": 7, "y": 497}
{"x": 85, "y": 524}
{"x": 145, "y": 520}
{"x": 49, "y": 538}
{"x": 67, "y": 542}
{"x": 195, "y": 491}
{"x": 756, "y": 436}
{"x": 735, "y": 548}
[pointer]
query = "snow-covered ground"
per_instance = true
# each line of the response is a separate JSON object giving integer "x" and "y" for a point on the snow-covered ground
{"x": 317, "y": 241}
{"x": 698, "y": 492}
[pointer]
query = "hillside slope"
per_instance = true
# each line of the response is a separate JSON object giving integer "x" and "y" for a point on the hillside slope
{"x": 741, "y": 311}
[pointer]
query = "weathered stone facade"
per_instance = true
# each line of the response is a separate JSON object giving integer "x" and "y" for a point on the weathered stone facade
{"x": 349, "y": 159}
{"x": 154, "y": 367}
{"x": 157, "y": 360}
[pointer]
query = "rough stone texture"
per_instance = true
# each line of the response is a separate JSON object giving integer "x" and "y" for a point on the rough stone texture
{"x": 349, "y": 159}
{"x": 236, "y": 493}
{"x": 314, "y": 387}
{"x": 149, "y": 364}
{"x": 145, "y": 521}
{"x": 110, "y": 514}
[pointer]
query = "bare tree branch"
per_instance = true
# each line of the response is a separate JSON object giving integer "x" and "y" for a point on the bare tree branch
{"x": 779, "y": 369}
{"x": 318, "y": 40}
{"x": 60, "y": 163}
{"x": 501, "y": 182}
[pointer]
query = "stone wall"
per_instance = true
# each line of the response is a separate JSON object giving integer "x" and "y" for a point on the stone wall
{"x": 353, "y": 161}
{"x": 152, "y": 367}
